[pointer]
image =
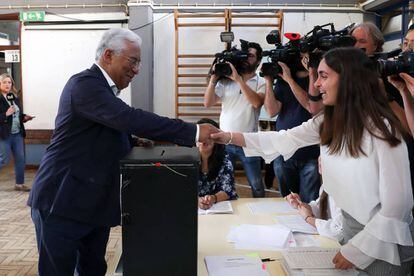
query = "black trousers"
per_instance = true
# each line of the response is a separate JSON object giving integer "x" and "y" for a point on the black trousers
{"x": 67, "y": 245}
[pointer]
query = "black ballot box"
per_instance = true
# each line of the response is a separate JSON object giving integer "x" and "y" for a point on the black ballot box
{"x": 159, "y": 207}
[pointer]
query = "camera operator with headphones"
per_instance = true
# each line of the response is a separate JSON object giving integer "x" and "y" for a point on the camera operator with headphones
{"x": 242, "y": 96}
{"x": 288, "y": 99}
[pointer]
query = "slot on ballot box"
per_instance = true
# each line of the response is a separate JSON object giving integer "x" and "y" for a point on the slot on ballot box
{"x": 159, "y": 204}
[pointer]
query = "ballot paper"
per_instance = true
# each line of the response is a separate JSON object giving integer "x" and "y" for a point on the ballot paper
{"x": 260, "y": 237}
{"x": 270, "y": 207}
{"x": 222, "y": 207}
{"x": 235, "y": 266}
{"x": 296, "y": 224}
{"x": 310, "y": 257}
{"x": 306, "y": 240}
{"x": 317, "y": 272}
{"x": 330, "y": 272}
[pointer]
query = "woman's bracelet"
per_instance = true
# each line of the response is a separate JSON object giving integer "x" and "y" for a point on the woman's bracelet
{"x": 215, "y": 199}
{"x": 306, "y": 219}
{"x": 231, "y": 139}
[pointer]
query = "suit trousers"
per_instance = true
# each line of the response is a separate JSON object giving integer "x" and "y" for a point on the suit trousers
{"x": 67, "y": 246}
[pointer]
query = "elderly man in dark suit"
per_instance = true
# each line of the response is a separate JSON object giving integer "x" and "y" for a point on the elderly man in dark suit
{"x": 75, "y": 195}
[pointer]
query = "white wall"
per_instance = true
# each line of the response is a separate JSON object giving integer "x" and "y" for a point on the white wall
{"x": 50, "y": 55}
{"x": 207, "y": 41}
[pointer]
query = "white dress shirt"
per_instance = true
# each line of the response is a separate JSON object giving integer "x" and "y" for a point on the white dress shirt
{"x": 237, "y": 113}
{"x": 375, "y": 189}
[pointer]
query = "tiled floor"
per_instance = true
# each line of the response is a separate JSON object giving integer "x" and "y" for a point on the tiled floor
{"x": 18, "y": 253}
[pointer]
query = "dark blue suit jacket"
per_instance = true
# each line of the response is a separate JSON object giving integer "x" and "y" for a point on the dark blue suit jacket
{"x": 79, "y": 175}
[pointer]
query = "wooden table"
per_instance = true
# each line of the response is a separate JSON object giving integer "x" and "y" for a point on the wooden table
{"x": 213, "y": 230}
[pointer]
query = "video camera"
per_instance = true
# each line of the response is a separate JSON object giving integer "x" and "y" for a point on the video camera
{"x": 402, "y": 63}
{"x": 233, "y": 55}
{"x": 288, "y": 53}
{"x": 323, "y": 38}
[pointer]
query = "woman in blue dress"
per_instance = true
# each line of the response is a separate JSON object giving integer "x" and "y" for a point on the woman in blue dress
{"x": 216, "y": 182}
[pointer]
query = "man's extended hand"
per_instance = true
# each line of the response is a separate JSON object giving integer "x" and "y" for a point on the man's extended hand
{"x": 205, "y": 131}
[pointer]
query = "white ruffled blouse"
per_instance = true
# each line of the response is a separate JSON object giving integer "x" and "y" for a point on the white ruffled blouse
{"x": 332, "y": 227}
{"x": 375, "y": 189}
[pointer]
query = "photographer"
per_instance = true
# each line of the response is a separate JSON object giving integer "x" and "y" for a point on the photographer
{"x": 405, "y": 83}
{"x": 370, "y": 39}
{"x": 288, "y": 100}
{"x": 241, "y": 96}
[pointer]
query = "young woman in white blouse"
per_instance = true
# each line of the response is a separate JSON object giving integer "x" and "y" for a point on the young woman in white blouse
{"x": 364, "y": 159}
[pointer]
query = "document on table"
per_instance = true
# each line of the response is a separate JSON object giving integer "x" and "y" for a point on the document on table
{"x": 306, "y": 240}
{"x": 222, "y": 207}
{"x": 310, "y": 257}
{"x": 296, "y": 224}
{"x": 269, "y": 207}
{"x": 235, "y": 266}
{"x": 330, "y": 272}
{"x": 317, "y": 272}
{"x": 260, "y": 237}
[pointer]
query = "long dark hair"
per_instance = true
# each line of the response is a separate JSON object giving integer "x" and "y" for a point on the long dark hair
{"x": 215, "y": 160}
{"x": 359, "y": 105}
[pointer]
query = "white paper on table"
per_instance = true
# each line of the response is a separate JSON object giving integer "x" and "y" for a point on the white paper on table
{"x": 289, "y": 271}
{"x": 296, "y": 223}
{"x": 270, "y": 207}
{"x": 222, "y": 207}
{"x": 306, "y": 240}
{"x": 310, "y": 257}
{"x": 259, "y": 237}
{"x": 235, "y": 266}
{"x": 330, "y": 272}
{"x": 231, "y": 236}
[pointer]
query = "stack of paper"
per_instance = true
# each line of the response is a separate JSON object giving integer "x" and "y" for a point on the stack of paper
{"x": 296, "y": 224}
{"x": 223, "y": 207}
{"x": 330, "y": 272}
{"x": 235, "y": 266}
{"x": 317, "y": 272}
{"x": 260, "y": 237}
{"x": 270, "y": 207}
{"x": 306, "y": 240}
{"x": 310, "y": 257}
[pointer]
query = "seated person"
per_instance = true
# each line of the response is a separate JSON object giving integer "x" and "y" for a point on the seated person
{"x": 321, "y": 213}
{"x": 216, "y": 182}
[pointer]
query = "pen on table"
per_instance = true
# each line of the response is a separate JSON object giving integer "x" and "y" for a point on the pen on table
{"x": 267, "y": 260}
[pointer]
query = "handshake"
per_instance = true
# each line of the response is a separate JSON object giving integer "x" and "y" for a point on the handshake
{"x": 209, "y": 133}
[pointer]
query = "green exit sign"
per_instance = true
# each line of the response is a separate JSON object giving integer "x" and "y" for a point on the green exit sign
{"x": 32, "y": 16}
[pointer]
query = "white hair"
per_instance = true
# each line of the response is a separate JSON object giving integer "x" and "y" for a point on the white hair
{"x": 114, "y": 39}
